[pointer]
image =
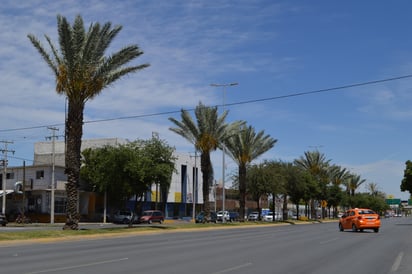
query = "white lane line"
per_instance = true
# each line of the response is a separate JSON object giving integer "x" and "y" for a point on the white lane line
{"x": 397, "y": 262}
{"x": 78, "y": 266}
{"x": 233, "y": 268}
{"x": 328, "y": 241}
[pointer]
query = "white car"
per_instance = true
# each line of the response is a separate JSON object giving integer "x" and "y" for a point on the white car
{"x": 223, "y": 216}
{"x": 268, "y": 217}
{"x": 254, "y": 216}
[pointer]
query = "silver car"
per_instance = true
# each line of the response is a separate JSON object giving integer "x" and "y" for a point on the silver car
{"x": 125, "y": 217}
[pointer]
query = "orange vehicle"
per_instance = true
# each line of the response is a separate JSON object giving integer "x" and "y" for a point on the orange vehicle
{"x": 359, "y": 219}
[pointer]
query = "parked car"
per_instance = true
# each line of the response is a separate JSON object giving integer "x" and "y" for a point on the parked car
{"x": 268, "y": 217}
{"x": 234, "y": 216}
{"x": 223, "y": 216}
{"x": 3, "y": 220}
{"x": 360, "y": 219}
{"x": 150, "y": 216}
{"x": 200, "y": 218}
{"x": 254, "y": 216}
{"x": 125, "y": 217}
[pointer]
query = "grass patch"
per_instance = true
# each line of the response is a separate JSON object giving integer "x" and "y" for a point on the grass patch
{"x": 56, "y": 232}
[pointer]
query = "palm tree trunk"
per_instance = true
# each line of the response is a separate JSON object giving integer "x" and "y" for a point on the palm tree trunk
{"x": 206, "y": 172}
{"x": 74, "y": 132}
{"x": 242, "y": 191}
{"x": 285, "y": 207}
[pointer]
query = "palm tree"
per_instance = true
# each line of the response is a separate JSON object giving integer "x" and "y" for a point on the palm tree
{"x": 243, "y": 147}
{"x": 354, "y": 183}
{"x": 316, "y": 164}
{"x": 206, "y": 135}
{"x": 373, "y": 189}
{"x": 338, "y": 176}
{"x": 82, "y": 71}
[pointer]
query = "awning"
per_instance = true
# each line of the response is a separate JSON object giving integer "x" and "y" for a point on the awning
{"x": 8, "y": 191}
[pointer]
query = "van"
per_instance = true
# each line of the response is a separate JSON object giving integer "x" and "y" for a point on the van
{"x": 150, "y": 216}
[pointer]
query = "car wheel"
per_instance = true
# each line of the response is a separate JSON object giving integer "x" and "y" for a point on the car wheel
{"x": 149, "y": 222}
{"x": 354, "y": 228}
{"x": 340, "y": 227}
{"x": 161, "y": 221}
{"x": 125, "y": 221}
{"x": 376, "y": 230}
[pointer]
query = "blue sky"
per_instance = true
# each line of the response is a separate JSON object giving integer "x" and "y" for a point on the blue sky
{"x": 271, "y": 48}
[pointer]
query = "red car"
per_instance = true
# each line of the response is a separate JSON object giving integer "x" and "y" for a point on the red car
{"x": 360, "y": 219}
{"x": 150, "y": 216}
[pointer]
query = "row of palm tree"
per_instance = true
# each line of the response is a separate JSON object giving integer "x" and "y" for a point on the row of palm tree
{"x": 211, "y": 132}
{"x": 82, "y": 71}
{"x": 309, "y": 179}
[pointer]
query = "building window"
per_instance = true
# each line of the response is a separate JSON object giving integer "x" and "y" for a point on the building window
{"x": 10, "y": 175}
{"x": 39, "y": 174}
{"x": 60, "y": 205}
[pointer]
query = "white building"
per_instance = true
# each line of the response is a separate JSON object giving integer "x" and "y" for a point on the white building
{"x": 37, "y": 195}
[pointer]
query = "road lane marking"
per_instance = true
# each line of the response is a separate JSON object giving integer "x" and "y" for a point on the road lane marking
{"x": 328, "y": 241}
{"x": 397, "y": 262}
{"x": 227, "y": 270}
{"x": 77, "y": 266}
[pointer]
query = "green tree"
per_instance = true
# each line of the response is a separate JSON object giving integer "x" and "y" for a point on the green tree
{"x": 243, "y": 147}
{"x": 129, "y": 170}
{"x": 82, "y": 71}
{"x": 206, "y": 134}
{"x": 338, "y": 176}
{"x": 365, "y": 200}
{"x": 160, "y": 166}
{"x": 256, "y": 184}
{"x": 406, "y": 184}
{"x": 105, "y": 171}
{"x": 297, "y": 185}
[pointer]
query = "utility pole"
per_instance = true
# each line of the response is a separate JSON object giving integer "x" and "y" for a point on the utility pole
{"x": 53, "y": 137}
{"x": 224, "y": 86}
{"x": 4, "y": 177}
{"x": 195, "y": 186}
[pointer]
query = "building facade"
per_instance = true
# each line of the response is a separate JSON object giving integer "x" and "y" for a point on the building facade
{"x": 31, "y": 190}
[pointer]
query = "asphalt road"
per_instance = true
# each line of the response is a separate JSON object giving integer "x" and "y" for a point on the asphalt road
{"x": 315, "y": 248}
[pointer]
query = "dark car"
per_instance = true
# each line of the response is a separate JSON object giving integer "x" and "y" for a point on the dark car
{"x": 234, "y": 216}
{"x": 125, "y": 217}
{"x": 200, "y": 218}
{"x": 150, "y": 216}
{"x": 3, "y": 220}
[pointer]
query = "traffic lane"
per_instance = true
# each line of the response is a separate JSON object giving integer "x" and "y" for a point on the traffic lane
{"x": 317, "y": 248}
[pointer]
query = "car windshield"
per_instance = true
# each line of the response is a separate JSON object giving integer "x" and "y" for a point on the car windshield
{"x": 147, "y": 213}
{"x": 367, "y": 211}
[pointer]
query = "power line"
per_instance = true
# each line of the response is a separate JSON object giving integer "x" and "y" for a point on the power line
{"x": 332, "y": 89}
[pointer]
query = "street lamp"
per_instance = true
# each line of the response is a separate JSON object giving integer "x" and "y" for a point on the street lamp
{"x": 224, "y": 86}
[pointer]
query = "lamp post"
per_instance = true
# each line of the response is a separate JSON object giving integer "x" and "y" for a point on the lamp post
{"x": 224, "y": 86}
{"x": 53, "y": 187}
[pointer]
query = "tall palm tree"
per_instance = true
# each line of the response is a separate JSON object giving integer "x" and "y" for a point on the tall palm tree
{"x": 82, "y": 71}
{"x": 206, "y": 135}
{"x": 244, "y": 147}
